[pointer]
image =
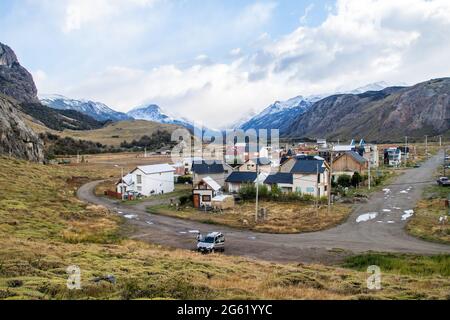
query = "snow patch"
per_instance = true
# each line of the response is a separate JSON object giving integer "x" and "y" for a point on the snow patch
{"x": 366, "y": 217}
{"x": 130, "y": 216}
{"x": 408, "y": 214}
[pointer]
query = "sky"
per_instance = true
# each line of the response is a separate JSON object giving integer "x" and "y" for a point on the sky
{"x": 219, "y": 61}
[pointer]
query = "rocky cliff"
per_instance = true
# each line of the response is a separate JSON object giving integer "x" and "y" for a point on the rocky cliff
{"x": 15, "y": 80}
{"x": 16, "y": 138}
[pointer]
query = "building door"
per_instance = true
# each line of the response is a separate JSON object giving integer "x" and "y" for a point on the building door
{"x": 196, "y": 201}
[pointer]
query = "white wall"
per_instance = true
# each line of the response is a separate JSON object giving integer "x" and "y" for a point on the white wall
{"x": 306, "y": 184}
{"x": 154, "y": 184}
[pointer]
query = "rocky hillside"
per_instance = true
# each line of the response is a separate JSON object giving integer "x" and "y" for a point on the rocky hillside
{"x": 16, "y": 138}
{"x": 15, "y": 80}
{"x": 386, "y": 115}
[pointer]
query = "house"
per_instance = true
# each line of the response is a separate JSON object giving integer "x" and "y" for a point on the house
{"x": 204, "y": 191}
{"x": 236, "y": 179}
{"x": 149, "y": 180}
{"x": 392, "y": 157}
{"x": 216, "y": 170}
{"x": 264, "y": 165}
{"x": 370, "y": 153}
{"x": 188, "y": 162}
{"x": 125, "y": 184}
{"x": 348, "y": 163}
{"x": 284, "y": 181}
{"x": 310, "y": 175}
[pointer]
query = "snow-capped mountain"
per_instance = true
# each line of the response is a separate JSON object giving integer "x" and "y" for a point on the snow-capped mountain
{"x": 280, "y": 114}
{"x": 97, "y": 110}
{"x": 376, "y": 86}
{"x": 153, "y": 112}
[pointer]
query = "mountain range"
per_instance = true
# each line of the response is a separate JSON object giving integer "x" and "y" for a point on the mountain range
{"x": 387, "y": 115}
{"x": 281, "y": 114}
{"x": 97, "y": 110}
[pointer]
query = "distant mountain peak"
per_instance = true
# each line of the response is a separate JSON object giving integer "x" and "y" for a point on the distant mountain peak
{"x": 97, "y": 110}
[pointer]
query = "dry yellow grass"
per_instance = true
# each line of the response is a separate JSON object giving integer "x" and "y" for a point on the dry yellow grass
{"x": 44, "y": 229}
{"x": 292, "y": 217}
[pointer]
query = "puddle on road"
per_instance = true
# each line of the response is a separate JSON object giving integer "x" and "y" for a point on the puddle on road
{"x": 130, "y": 216}
{"x": 366, "y": 217}
{"x": 387, "y": 210}
{"x": 194, "y": 231}
{"x": 149, "y": 223}
{"x": 404, "y": 191}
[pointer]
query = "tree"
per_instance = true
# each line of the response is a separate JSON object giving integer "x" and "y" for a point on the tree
{"x": 344, "y": 181}
{"x": 356, "y": 179}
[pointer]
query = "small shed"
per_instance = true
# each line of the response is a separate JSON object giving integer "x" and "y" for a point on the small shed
{"x": 223, "y": 202}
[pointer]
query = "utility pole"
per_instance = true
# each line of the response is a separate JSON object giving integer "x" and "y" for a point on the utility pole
{"x": 406, "y": 151}
{"x": 317, "y": 190}
{"x": 330, "y": 177}
{"x": 257, "y": 190}
{"x": 78, "y": 156}
{"x": 370, "y": 160}
{"x": 426, "y": 147}
{"x": 440, "y": 141}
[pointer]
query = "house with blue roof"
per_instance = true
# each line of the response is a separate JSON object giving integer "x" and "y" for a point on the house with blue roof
{"x": 217, "y": 170}
{"x": 310, "y": 175}
{"x": 237, "y": 179}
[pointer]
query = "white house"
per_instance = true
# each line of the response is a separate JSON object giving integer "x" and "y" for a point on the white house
{"x": 309, "y": 175}
{"x": 149, "y": 180}
{"x": 204, "y": 191}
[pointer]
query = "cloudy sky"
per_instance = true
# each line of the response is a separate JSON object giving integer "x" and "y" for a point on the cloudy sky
{"x": 216, "y": 61}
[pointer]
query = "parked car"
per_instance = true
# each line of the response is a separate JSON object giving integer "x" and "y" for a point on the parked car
{"x": 213, "y": 242}
{"x": 443, "y": 181}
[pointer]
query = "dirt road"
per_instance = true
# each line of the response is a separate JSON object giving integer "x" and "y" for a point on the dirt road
{"x": 377, "y": 225}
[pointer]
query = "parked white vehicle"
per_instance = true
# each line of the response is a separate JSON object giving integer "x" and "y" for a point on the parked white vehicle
{"x": 213, "y": 242}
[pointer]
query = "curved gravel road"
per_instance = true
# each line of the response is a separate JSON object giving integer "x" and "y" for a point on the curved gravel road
{"x": 383, "y": 232}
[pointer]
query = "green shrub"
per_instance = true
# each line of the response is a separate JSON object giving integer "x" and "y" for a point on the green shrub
{"x": 344, "y": 181}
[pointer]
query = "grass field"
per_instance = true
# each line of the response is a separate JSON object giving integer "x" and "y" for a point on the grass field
{"x": 44, "y": 229}
{"x": 111, "y": 135}
{"x": 425, "y": 223}
{"x": 292, "y": 217}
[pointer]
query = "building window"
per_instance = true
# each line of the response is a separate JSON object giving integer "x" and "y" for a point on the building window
{"x": 310, "y": 190}
{"x": 139, "y": 179}
{"x": 206, "y": 198}
{"x": 318, "y": 178}
{"x": 298, "y": 189}
{"x": 139, "y": 189}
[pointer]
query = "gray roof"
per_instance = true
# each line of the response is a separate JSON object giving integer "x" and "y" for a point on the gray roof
{"x": 308, "y": 164}
{"x": 280, "y": 177}
{"x": 241, "y": 177}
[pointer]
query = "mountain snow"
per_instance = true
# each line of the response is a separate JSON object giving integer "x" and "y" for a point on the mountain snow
{"x": 153, "y": 112}
{"x": 281, "y": 114}
{"x": 97, "y": 110}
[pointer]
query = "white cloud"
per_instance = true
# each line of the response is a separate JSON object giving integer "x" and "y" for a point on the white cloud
{"x": 82, "y": 12}
{"x": 255, "y": 15}
{"x": 358, "y": 43}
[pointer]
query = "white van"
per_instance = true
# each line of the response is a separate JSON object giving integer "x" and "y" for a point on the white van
{"x": 213, "y": 242}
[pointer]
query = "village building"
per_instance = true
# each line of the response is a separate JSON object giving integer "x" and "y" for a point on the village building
{"x": 264, "y": 165}
{"x": 204, "y": 191}
{"x": 149, "y": 180}
{"x": 310, "y": 175}
{"x": 348, "y": 163}
{"x": 283, "y": 180}
{"x": 392, "y": 157}
{"x": 216, "y": 170}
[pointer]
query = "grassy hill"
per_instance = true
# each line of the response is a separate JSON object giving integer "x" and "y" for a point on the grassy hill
{"x": 112, "y": 135}
{"x": 44, "y": 229}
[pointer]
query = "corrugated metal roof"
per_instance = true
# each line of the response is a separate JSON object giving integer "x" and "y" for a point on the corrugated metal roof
{"x": 308, "y": 166}
{"x": 156, "y": 168}
{"x": 280, "y": 177}
{"x": 357, "y": 157}
{"x": 212, "y": 183}
{"x": 241, "y": 177}
{"x": 204, "y": 168}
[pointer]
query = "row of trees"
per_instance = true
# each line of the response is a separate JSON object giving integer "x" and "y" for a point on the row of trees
{"x": 156, "y": 140}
